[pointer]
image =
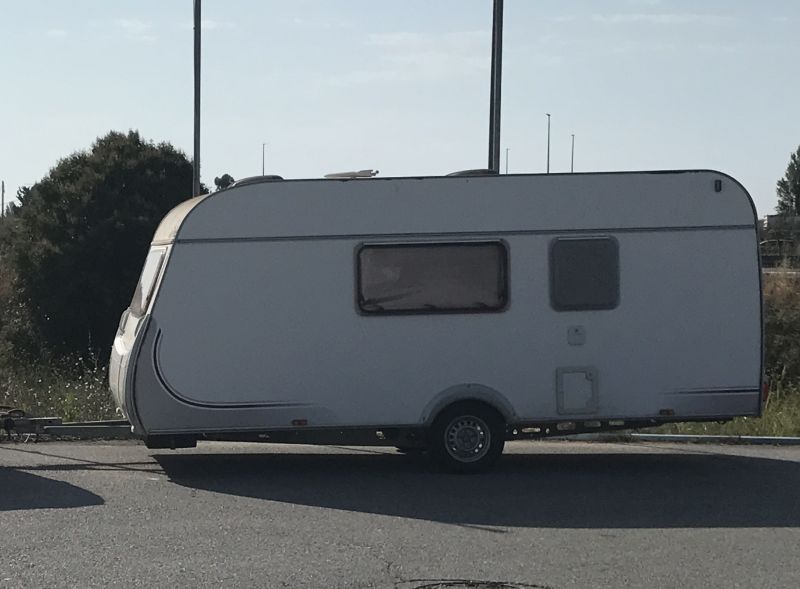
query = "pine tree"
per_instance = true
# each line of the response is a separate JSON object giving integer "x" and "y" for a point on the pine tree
{"x": 789, "y": 188}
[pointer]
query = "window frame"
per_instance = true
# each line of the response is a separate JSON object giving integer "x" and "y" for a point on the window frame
{"x": 552, "y": 266}
{"x": 505, "y": 278}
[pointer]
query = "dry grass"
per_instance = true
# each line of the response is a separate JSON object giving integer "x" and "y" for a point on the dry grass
{"x": 782, "y": 328}
{"x": 76, "y": 393}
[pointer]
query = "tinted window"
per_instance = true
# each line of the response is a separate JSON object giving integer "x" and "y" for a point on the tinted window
{"x": 584, "y": 273}
{"x": 432, "y": 277}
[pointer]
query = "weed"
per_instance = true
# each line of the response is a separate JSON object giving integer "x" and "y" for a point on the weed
{"x": 76, "y": 392}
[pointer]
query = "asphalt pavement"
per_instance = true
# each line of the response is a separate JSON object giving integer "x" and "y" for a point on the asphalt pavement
{"x": 552, "y": 514}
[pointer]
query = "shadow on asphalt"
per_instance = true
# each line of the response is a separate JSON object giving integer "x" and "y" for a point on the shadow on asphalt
{"x": 22, "y": 490}
{"x": 525, "y": 490}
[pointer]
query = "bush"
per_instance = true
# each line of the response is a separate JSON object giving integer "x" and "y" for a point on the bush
{"x": 73, "y": 247}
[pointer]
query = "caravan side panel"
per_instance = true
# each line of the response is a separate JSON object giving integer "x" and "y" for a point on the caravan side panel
{"x": 230, "y": 349}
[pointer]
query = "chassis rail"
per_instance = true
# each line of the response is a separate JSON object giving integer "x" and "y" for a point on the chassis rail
{"x": 15, "y": 424}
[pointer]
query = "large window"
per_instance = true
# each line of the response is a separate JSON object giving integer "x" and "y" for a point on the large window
{"x": 584, "y": 273}
{"x": 432, "y": 277}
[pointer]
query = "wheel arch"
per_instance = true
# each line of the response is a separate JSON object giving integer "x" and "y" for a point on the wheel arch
{"x": 465, "y": 393}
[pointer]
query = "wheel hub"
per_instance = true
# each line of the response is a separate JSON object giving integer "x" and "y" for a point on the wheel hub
{"x": 467, "y": 438}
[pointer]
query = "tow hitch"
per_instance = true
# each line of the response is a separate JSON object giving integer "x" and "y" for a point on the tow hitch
{"x": 16, "y": 424}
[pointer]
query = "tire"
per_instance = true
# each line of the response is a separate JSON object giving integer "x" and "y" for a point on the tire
{"x": 467, "y": 437}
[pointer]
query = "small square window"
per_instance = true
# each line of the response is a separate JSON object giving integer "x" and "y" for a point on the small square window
{"x": 584, "y": 274}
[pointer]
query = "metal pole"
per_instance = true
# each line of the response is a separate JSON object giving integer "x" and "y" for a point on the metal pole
{"x": 507, "y": 160}
{"x": 263, "y": 147}
{"x": 196, "y": 162}
{"x": 548, "y": 142}
{"x": 496, "y": 83}
{"x": 572, "y": 157}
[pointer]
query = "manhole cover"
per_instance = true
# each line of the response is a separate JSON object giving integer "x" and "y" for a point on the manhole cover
{"x": 466, "y": 584}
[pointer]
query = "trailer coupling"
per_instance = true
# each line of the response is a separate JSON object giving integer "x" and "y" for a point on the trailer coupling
{"x": 16, "y": 423}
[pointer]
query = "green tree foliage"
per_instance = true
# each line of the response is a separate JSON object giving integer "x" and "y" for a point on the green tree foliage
{"x": 73, "y": 248}
{"x": 17, "y": 336}
{"x": 789, "y": 187}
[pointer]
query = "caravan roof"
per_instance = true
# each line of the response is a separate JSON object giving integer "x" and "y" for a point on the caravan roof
{"x": 442, "y": 205}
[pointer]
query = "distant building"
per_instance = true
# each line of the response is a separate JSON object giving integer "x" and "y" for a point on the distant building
{"x": 780, "y": 240}
{"x": 781, "y": 222}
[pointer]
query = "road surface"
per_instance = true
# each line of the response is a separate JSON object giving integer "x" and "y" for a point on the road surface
{"x": 553, "y": 514}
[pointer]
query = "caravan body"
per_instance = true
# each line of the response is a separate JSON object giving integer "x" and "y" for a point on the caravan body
{"x": 287, "y": 309}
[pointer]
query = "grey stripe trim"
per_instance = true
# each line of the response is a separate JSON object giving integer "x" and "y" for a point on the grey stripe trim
{"x": 758, "y": 440}
{"x": 733, "y": 391}
{"x": 286, "y": 429}
{"x": 680, "y": 438}
{"x": 483, "y": 234}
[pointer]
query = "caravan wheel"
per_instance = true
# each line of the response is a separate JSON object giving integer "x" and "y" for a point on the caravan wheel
{"x": 468, "y": 437}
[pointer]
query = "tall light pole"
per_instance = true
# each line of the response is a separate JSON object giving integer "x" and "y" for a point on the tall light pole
{"x": 263, "y": 149}
{"x": 496, "y": 83}
{"x": 196, "y": 163}
{"x": 507, "y": 160}
{"x": 572, "y": 157}
{"x": 548, "y": 142}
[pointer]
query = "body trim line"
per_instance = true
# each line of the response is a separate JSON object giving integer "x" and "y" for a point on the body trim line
{"x": 712, "y": 391}
{"x": 181, "y": 398}
{"x": 482, "y": 234}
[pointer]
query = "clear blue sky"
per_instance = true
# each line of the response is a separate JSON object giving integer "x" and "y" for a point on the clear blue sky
{"x": 402, "y": 85}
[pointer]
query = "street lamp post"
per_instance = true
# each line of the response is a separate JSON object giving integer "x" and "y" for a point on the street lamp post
{"x": 548, "y": 142}
{"x": 507, "y": 160}
{"x": 196, "y": 167}
{"x": 496, "y": 84}
{"x": 263, "y": 149}
{"x": 572, "y": 157}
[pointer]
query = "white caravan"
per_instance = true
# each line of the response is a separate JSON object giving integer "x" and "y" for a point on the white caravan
{"x": 445, "y": 313}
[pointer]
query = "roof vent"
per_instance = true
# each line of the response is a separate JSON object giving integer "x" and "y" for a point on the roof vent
{"x": 255, "y": 180}
{"x": 477, "y": 172}
{"x": 348, "y": 175}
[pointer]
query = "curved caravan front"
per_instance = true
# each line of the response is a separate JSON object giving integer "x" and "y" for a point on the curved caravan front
{"x": 261, "y": 316}
{"x": 135, "y": 318}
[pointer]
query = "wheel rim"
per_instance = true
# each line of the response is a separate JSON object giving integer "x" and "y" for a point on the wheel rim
{"x": 467, "y": 438}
